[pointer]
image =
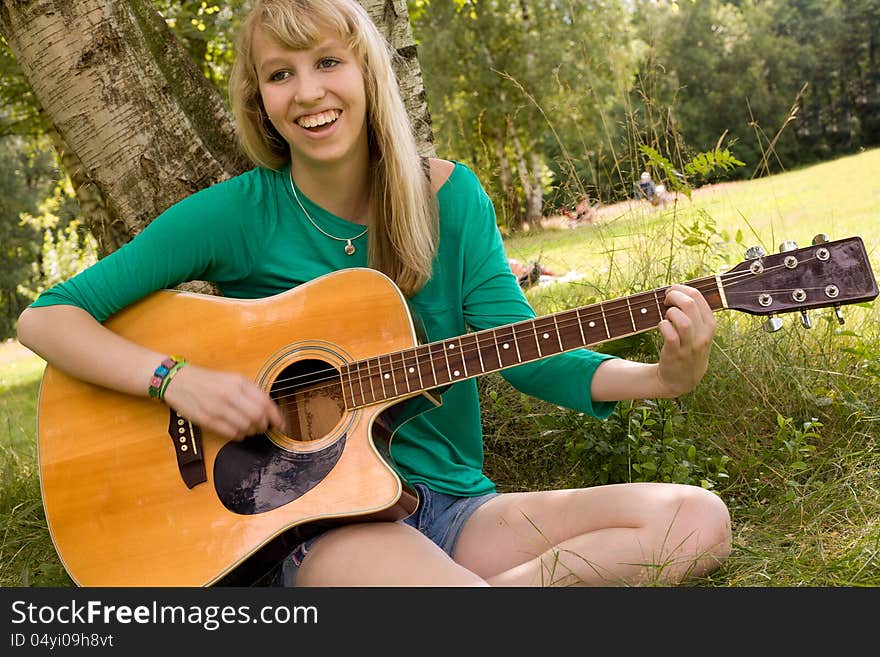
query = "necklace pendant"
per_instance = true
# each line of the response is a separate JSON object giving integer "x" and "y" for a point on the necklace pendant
{"x": 349, "y": 247}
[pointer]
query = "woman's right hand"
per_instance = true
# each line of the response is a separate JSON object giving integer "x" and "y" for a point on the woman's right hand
{"x": 226, "y": 403}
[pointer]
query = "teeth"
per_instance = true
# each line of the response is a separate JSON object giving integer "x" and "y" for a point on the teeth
{"x": 314, "y": 120}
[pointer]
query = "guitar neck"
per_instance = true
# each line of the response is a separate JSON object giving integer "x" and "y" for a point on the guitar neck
{"x": 440, "y": 363}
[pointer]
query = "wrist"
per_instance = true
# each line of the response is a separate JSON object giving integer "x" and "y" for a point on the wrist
{"x": 163, "y": 375}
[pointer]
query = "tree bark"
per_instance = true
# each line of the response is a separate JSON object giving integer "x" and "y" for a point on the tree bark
{"x": 138, "y": 124}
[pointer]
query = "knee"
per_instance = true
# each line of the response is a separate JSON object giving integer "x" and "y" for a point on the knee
{"x": 699, "y": 518}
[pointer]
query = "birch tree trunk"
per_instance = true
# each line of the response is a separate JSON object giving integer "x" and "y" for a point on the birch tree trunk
{"x": 140, "y": 124}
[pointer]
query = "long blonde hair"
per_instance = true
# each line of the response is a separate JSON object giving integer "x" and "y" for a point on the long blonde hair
{"x": 403, "y": 237}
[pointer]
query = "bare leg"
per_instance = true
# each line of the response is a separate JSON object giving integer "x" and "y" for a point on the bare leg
{"x": 380, "y": 554}
{"x": 607, "y": 535}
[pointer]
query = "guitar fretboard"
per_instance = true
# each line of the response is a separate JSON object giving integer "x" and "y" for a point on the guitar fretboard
{"x": 441, "y": 363}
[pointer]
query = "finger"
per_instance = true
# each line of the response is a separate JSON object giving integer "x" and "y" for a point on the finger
{"x": 264, "y": 410}
{"x": 700, "y": 303}
{"x": 682, "y": 324}
{"x": 669, "y": 333}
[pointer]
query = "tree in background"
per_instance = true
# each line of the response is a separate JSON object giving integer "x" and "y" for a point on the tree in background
{"x": 136, "y": 121}
{"x": 524, "y": 91}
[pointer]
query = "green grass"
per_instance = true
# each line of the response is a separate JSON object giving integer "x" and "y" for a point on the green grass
{"x": 784, "y": 426}
{"x": 27, "y": 555}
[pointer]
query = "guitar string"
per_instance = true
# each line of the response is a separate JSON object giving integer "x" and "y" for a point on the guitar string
{"x": 359, "y": 377}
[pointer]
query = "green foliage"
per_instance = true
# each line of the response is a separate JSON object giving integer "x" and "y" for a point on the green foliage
{"x": 207, "y": 30}
{"x": 27, "y": 169}
{"x": 696, "y": 170}
{"x": 645, "y": 441}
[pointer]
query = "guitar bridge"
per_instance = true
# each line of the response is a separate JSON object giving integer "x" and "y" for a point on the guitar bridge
{"x": 187, "y": 439}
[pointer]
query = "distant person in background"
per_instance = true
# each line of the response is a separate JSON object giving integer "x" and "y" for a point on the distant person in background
{"x": 646, "y": 188}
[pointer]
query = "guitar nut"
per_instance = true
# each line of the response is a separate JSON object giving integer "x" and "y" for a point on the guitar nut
{"x": 790, "y": 262}
{"x": 798, "y": 295}
{"x": 183, "y": 448}
{"x": 823, "y": 254}
{"x": 765, "y": 300}
{"x": 756, "y": 267}
{"x": 831, "y": 291}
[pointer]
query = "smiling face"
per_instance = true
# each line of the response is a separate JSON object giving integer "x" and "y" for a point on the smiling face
{"x": 315, "y": 98}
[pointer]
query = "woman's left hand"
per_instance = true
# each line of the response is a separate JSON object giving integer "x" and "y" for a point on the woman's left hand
{"x": 687, "y": 332}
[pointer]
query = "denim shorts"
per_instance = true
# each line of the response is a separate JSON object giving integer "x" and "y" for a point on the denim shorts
{"x": 439, "y": 516}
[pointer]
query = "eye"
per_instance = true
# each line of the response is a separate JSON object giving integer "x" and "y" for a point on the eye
{"x": 327, "y": 62}
{"x": 278, "y": 76}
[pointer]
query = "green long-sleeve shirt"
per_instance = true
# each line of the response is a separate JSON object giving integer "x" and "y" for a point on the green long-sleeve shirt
{"x": 249, "y": 236}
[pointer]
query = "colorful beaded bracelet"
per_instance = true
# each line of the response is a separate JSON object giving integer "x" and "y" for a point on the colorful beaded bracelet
{"x": 163, "y": 375}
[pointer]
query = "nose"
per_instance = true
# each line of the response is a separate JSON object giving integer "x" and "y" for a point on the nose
{"x": 310, "y": 89}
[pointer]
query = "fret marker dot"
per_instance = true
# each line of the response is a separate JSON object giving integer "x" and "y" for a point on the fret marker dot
{"x": 452, "y": 346}
{"x": 545, "y": 336}
{"x": 411, "y": 370}
{"x": 592, "y": 324}
{"x": 505, "y": 346}
{"x": 387, "y": 376}
{"x": 644, "y": 311}
{"x": 456, "y": 373}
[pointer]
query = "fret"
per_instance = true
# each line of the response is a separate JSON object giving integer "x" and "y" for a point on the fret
{"x": 407, "y": 370}
{"x": 632, "y": 319}
{"x": 595, "y": 327}
{"x": 438, "y": 360}
{"x": 526, "y": 340}
{"x": 537, "y": 340}
{"x": 382, "y": 378}
{"x": 479, "y": 352}
{"x": 497, "y": 348}
{"x": 490, "y": 352}
{"x": 415, "y": 353}
{"x": 397, "y": 371}
{"x": 580, "y": 323}
{"x": 457, "y": 366}
{"x": 558, "y": 334}
{"x": 351, "y": 387}
{"x": 389, "y": 376}
{"x": 360, "y": 383}
{"x": 446, "y": 358}
{"x": 657, "y": 301}
{"x": 544, "y": 330}
{"x": 605, "y": 321}
{"x": 470, "y": 353}
{"x": 426, "y": 351}
{"x": 370, "y": 381}
{"x": 644, "y": 313}
{"x": 508, "y": 354}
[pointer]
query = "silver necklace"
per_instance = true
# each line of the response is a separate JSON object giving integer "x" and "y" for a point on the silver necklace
{"x": 349, "y": 247}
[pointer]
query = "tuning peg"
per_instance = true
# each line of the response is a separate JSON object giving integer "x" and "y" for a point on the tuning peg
{"x": 821, "y": 238}
{"x": 787, "y": 245}
{"x": 805, "y": 319}
{"x": 755, "y": 252}
{"x": 839, "y": 314}
{"x": 772, "y": 324}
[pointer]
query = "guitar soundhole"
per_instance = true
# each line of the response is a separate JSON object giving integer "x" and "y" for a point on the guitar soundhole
{"x": 309, "y": 393}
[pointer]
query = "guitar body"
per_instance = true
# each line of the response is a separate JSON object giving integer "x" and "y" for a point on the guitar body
{"x": 117, "y": 504}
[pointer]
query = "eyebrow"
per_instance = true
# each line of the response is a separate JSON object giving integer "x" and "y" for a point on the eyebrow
{"x": 319, "y": 50}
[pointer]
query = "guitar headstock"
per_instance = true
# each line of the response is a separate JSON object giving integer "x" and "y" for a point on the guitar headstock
{"x": 825, "y": 274}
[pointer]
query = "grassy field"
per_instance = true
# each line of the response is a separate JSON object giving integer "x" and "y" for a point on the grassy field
{"x": 784, "y": 426}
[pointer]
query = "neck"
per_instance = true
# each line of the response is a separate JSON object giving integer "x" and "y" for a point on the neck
{"x": 342, "y": 188}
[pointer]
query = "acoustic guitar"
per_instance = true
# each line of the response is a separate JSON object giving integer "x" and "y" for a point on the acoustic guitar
{"x": 136, "y": 495}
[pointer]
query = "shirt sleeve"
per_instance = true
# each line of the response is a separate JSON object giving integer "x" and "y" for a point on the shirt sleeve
{"x": 492, "y": 297}
{"x": 202, "y": 237}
